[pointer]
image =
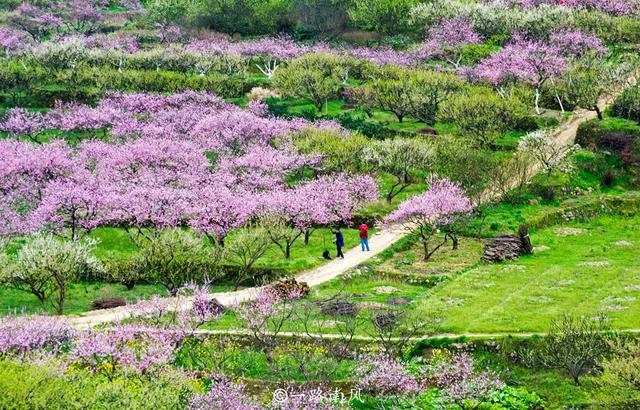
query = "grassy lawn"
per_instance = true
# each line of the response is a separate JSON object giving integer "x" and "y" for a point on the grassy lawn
{"x": 588, "y": 269}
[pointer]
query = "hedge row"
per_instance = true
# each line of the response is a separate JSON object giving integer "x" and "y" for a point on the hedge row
{"x": 89, "y": 84}
{"x": 627, "y": 204}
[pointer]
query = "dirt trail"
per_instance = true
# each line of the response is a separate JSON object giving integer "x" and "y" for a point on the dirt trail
{"x": 565, "y": 134}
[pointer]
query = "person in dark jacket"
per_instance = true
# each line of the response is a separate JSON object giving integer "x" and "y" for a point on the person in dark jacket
{"x": 339, "y": 243}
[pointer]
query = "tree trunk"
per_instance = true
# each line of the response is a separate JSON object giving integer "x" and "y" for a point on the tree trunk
{"x": 454, "y": 240}
{"x": 425, "y": 246}
{"x": 598, "y": 111}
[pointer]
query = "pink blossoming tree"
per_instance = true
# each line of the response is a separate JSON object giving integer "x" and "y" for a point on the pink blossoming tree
{"x": 424, "y": 215}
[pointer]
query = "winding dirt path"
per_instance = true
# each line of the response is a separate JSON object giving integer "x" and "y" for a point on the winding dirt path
{"x": 565, "y": 134}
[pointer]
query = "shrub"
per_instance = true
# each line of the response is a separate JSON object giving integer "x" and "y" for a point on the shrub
{"x": 401, "y": 157}
{"x": 315, "y": 77}
{"x": 383, "y": 375}
{"x": 22, "y": 334}
{"x": 339, "y": 153}
{"x": 618, "y": 382}
{"x": 627, "y": 105}
{"x": 389, "y": 16}
{"x": 481, "y": 116}
{"x": 175, "y": 258}
{"x": 607, "y": 179}
{"x": 617, "y": 137}
{"x": 124, "y": 271}
{"x": 39, "y": 386}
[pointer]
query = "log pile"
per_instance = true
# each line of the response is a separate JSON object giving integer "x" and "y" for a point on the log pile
{"x": 502, "y": 248}
{"x": 288, "y": 287}
{"x": 508, "y": 247}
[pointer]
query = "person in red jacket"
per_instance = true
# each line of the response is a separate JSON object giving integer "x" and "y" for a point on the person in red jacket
{"x": 364, "y": 237}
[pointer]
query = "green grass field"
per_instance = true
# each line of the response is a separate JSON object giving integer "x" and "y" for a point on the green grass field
{"x": 579, "y": 269}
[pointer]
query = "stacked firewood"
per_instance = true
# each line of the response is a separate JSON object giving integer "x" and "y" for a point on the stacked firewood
{"x": 508, "y": 247}
{"x": 286, "y": 288}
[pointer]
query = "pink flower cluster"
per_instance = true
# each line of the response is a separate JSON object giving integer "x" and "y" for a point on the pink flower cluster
{"x": 614, "y": 7}
{"x": 382, "y": 375}
{"x": 223, "y": 394}
{"x": 137, "y": 347}
{"x": 22, "y": 334}
{"x": 446, "y": 39}
{"x": 285, "y": 48}
{"x": 436, "y": 207}
{"x": 184, "y": 159}
{"x": 460, "y": 381}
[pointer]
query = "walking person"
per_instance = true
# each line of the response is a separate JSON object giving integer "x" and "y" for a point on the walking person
{"x": 339, "y": 243}
{"x": 221, "y": 235}
{"x": 364, "y": 236}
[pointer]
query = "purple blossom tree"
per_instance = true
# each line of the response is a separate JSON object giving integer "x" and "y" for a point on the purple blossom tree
{"x": 447, "y": 39}
{"x": 575, "y": 43}
{"x": 460, "y": 381}
{"x": 424, "y": 215}
{"x": 530, "y": 61}
{"x": 223, "y": 394}
{"x": 34, "y": 21}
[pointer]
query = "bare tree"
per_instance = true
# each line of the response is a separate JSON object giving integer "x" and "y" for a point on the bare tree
{"x": 576, "y": 345}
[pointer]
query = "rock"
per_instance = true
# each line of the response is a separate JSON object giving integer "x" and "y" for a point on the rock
{"x": 386, "y": 321}
{"x": 623, "y": 299}
{"x": 484, "y": 284}
{"x": 454, "y": 301}
{"x": 213, "y": 307}
{"x": 540, "y": 299}
{"x": 568, "y": 231}
{"x": 509, "y": 268}
{"x": 398, "y": 301}
{"x": 338, "y": 307}
{"x": 385, "y": 290}
{"x": 613, "y": 308}
{"x": 595, "y": 264}
{"x": 326, "y": 323}
{"x": 372, "y": 305}
{"x": 428, "y": 131}
{"x": 623, "y": 243}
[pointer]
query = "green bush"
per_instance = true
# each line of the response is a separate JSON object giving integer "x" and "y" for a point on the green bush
{"x": 44, "y": 387}
{"x": 627, "y": 105}
{"x": 626, "y": 205}
{"x": 174, "y": 258}
{"x": 388, "y": 16}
